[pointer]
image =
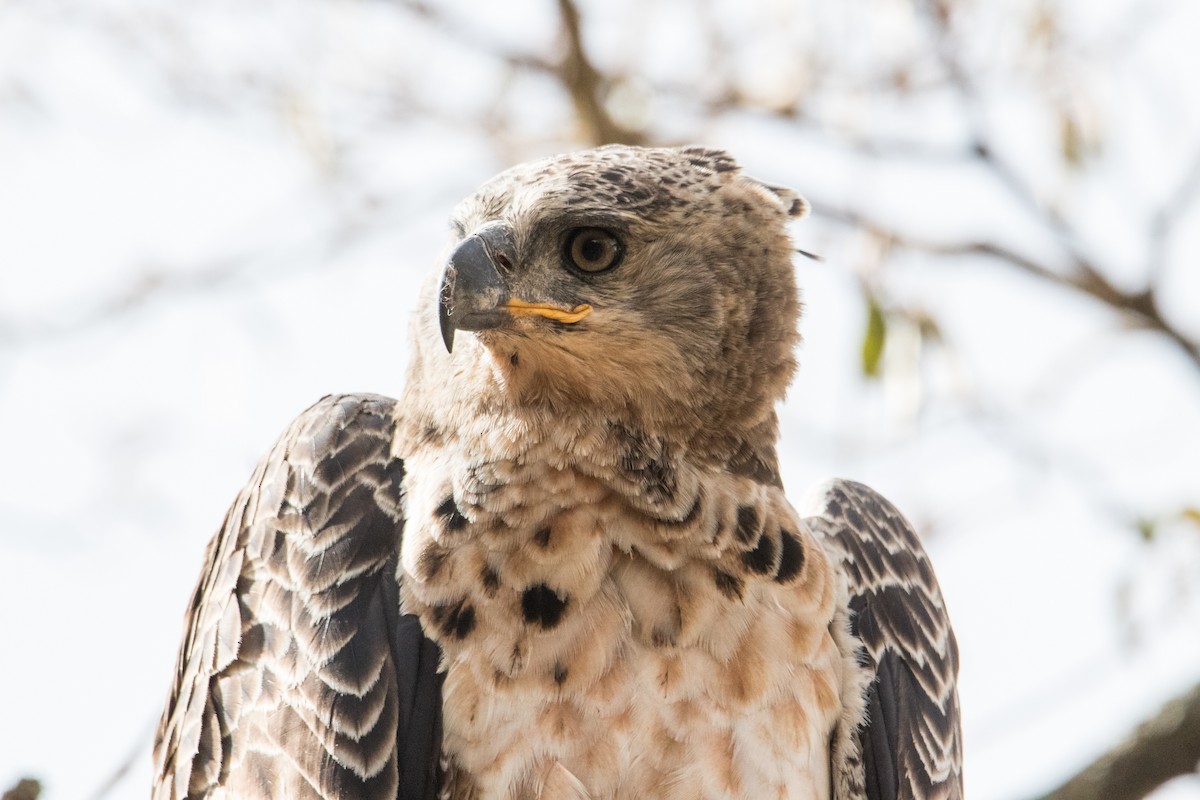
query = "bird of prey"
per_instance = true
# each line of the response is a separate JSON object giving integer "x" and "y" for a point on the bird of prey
{"x": 562, "y": 565}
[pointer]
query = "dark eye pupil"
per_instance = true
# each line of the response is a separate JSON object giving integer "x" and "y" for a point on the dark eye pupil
{"x": 593, "y": 249}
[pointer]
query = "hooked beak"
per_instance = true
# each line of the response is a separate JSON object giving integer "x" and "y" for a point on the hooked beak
{"x": 473, "y": 296}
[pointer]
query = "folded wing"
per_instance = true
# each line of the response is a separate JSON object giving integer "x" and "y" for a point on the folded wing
{"x": 298, "y": 677}
{"x": 911, "y": 741}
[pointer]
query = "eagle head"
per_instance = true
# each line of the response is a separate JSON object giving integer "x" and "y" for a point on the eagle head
{"x": 649, "y": 285}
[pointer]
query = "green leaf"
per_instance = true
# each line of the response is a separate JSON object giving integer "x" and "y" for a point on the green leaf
{"x": 873, "y": 339}
{"x": 1071, "y": 141}
{"x": 1147, "y": 527}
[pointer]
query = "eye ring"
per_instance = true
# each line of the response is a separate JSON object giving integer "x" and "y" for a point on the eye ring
{"x": 593, "y": 250}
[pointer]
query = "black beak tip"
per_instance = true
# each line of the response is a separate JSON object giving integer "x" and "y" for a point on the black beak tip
{"x": 447, "y": 329}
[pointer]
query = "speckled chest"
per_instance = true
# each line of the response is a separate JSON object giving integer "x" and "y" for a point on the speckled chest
{"x": 687, "y": 656}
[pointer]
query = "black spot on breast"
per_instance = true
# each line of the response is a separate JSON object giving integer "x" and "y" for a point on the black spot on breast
{"x": 791, "y": 556}
{"x": 431, "y": 435}
{"x": 542, "y": 538}
{"x": 560, "y": 673}
{"x": 490, "y": 580}
{"x": 541, "y": 605}
{"x": 451, "y": 517}
{"x": 747, "y": 524}
{"x": 762, "y": 557}
{"x": 430, "y": 561}
{"x": 455, "y": 619}
{"x": 729, "y": 585}
{"x": 514, "y": 359}
{"x": 663, "y": 637}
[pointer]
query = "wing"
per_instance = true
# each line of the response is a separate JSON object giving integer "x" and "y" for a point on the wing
{"x": 910, "y": 742}
{"x": 298, "y": 677}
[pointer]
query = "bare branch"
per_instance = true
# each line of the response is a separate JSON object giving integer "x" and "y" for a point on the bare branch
{"x": 1163, "y": 747}
{"x": 585, "y": 85}
{"x": 1141, "y": 307}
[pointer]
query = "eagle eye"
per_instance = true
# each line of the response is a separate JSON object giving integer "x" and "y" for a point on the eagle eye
{"x": 593, "y": 249}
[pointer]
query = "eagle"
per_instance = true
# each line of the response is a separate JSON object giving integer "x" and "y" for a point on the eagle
{"x": 562, "y": 564}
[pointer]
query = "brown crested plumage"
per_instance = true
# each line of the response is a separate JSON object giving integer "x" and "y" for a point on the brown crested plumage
{"x": 589, "y": 523}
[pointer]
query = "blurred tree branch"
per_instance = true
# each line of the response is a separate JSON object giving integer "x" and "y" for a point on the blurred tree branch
{"x": 1141, "y": 307}
{"x": 26, "y": 789}
{"x": 586, "y": 86}
{"x": 1163, "y": 747}
{"x": 583, "y": 83}
{"x": 1086, "y": 277}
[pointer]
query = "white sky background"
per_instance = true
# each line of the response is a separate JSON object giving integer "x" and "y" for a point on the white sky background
{"x": 211, "y": 216}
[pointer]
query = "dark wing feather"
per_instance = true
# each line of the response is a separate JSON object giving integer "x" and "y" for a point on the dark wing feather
{"x": 911, "y": 739}
{"x": 298, "y": 677}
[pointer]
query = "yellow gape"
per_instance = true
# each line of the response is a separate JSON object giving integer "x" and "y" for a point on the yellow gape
{"x": 519, "y": 308}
